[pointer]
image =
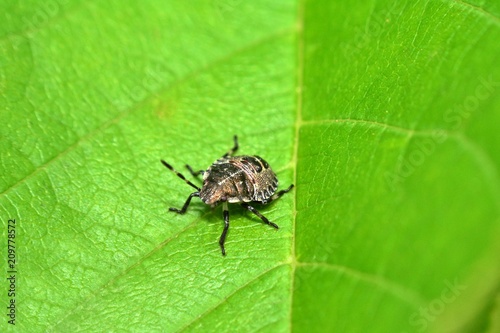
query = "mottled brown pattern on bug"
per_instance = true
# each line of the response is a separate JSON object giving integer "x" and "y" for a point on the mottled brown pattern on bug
{"x": 238, "y": 179}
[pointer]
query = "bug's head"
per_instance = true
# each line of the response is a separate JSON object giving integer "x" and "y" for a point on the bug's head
{"x": 211, "y": 194}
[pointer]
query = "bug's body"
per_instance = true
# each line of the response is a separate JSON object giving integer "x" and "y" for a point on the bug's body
{"x": 234, "y": 179}
{"x": 238, "y": 179}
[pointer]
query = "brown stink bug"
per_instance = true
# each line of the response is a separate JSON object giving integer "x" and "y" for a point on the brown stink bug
{"x": 234, "y": 179}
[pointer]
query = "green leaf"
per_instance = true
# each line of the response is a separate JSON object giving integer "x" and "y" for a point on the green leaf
{"x": 383, "y": 115}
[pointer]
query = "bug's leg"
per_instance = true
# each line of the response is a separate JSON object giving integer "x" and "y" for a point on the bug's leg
{"x": 278, "y": 194}
{"x": 232, "y": 150}
{"x": 262, "y": 217}
{"x": 180, "y": 175}
{"x": 186, "y": 204}
{"x": 195, "y": 173}
{"x": 222, "y": 239}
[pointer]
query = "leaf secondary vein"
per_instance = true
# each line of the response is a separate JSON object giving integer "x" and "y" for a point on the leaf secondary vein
{"x": 407, "y": 295}
{"x": 99, "y": 290}
{"x": 136, "y": 106}
{"x": 483, "y": 160}
{"x": 234, "y": 292}
{"x": 476, "y": 9}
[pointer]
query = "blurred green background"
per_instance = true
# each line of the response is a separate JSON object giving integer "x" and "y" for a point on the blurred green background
{"x": 384, "y": 116}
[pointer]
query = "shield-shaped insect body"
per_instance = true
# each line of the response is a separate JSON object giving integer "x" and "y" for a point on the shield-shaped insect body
{"x": 234, "y": 179}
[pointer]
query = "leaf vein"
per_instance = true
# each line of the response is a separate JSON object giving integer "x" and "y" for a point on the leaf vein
{"x": 123, "y": 114}
{"x": 477, "y": 10}
{"x": 99, "y": 290}
{"x": 407, "y": 295}
{"x": 295, "y": 153}
{"x": 234, "y": 292}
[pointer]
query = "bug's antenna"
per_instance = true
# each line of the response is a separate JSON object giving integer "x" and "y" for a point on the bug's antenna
{"x": 180, "y": 175}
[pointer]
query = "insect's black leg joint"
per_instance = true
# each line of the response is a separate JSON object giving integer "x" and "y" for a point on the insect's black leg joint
{"x": 234, "y": 149}
{"x": 236, "y": 146}
{"x": 222, "y": 239}
{"x": 278, "y": 194}
{"x": 186, "y": 204}
{"x": 262, "y": 217}
{"x": 194, "y": 173}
